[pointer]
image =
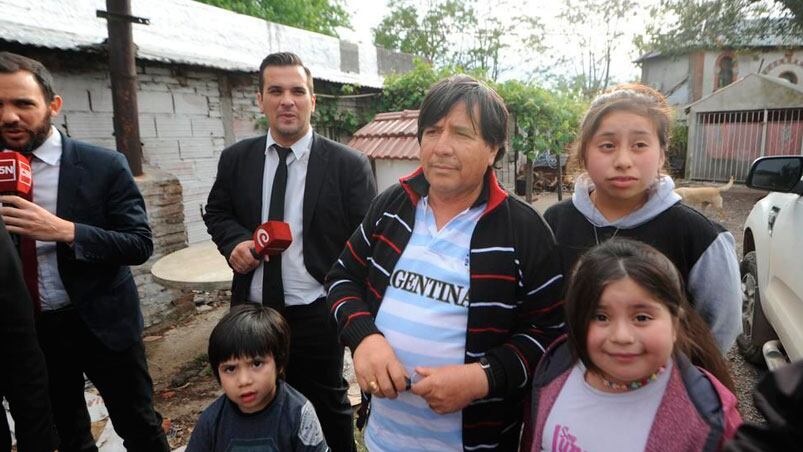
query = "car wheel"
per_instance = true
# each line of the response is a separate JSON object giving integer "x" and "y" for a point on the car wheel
{"x": 750, "y": 342}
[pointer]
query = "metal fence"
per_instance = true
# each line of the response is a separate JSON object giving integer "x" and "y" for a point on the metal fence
{"x": 726, "y": 143}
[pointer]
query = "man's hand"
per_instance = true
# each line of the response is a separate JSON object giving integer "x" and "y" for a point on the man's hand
{"x": 451, "y": 388}
{"x": 27, "y": 219}
{"x": 378, "y": 370}
{"x": 242, "y": 258}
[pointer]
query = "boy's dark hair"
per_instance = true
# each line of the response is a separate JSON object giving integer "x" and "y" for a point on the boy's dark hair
{"x": 11, "y": 63}
{"x": 250, "y": 330}
{"x": 615, "y": 259}
{"x": 283, "y": 59}
{"x": 444, "y": 95}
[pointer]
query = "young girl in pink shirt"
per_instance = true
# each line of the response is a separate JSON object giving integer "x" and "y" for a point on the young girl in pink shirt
{"x": 622, "y": 378}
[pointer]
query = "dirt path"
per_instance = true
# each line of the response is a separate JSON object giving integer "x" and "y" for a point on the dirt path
{"x": 183, "y": 383}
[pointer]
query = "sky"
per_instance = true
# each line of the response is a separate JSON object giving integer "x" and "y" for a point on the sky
{"x": 369, "y": 13}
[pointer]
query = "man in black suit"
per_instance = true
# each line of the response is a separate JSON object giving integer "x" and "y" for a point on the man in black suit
{"x": 323, "y": 190}
{"x": 23, "y": 380}
{"x": 84, "y": 225}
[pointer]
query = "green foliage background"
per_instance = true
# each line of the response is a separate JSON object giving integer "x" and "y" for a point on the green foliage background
{"x": 546, "y": 120}
{"x": 321, "y": 16}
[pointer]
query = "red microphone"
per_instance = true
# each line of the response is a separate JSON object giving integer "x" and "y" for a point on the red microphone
{"x": 271, "y": 238}
{"x": 15, "y": 174}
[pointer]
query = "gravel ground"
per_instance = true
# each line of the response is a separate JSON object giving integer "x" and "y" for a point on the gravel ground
{"x": 738, "y": 201}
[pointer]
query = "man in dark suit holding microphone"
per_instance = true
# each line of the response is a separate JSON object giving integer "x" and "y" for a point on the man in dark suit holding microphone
{"x": 83, "y": 225}
{"x": 322, "y": 189}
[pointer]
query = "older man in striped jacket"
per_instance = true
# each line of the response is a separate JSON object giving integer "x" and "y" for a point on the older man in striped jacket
{"x": 449, "y": 291}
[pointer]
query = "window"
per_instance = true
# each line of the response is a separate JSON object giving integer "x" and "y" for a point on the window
{"x": 726, "y": 71}
{"x": 789, "y": 76}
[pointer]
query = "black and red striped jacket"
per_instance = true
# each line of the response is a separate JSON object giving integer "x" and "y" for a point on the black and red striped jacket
{"x": 514, "y": 299}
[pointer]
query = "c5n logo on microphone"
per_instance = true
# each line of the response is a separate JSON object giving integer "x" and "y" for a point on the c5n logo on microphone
{"x": 261, "y": 238}
{"x": 8, "y": 170}
{"x": 15, "y": 173}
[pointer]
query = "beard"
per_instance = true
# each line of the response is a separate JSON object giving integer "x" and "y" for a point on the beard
{"x": 38, "y": 135}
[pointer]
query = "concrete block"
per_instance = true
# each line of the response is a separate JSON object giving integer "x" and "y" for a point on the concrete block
{"x": 182, "y": 169}
{"x": 173, "y": 126}
{"x": 192, "y": 104}
{"x": 206, "y": 170}
{"x": 160, "y": 149}
{"x": 89, "y": 125}
{"x": 147, "y": 126}
{"x": 152, "y": 86}
{"x": 244, "y": 128}
{"x": 160, "y": 70}
{"x": 154, "y": 102}
{"x": 207, "y": 127}
{"x": 197, "y": 189}
{"x": 74, "y": 91}
{"x": 192, "y": 148}
{"x": 100, "y": 98}
{"x": 196, "y": 232}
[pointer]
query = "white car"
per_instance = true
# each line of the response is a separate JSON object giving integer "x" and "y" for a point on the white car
{"x": 772, "y": 267}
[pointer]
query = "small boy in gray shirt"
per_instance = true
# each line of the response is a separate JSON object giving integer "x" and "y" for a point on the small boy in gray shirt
{"x": 259, "y": 411}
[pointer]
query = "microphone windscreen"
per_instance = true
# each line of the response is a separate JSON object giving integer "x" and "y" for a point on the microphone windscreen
{"x": 272, "y": 238}
{"x": 15, "y": 173}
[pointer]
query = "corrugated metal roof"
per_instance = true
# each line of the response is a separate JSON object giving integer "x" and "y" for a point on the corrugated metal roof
{"x": 389, "y": 136}
{"x": 769, "y": 39}
{"x": 183, "y": 31}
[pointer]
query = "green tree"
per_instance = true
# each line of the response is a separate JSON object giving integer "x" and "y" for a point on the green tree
{"x": 545, "y": 121}
{"x": 406, "y": 91}
{"x": 595, "y": 27}
{"x": 321, "y": 16}
{"x": 682, "y": 25}
{"x": 460, "y": 33}
{"x": 427, "y": 36}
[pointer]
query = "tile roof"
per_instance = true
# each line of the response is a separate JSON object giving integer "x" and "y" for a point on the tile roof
{"x": 389, "y": 136}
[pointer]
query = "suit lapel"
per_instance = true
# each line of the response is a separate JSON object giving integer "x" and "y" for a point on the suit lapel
{"x": 316, "y": 170}
{"x": 253, "y": 173}
{"x": 71, "y": 174}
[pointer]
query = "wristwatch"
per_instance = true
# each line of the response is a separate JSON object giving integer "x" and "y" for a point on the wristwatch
{"x": 486, "y": 366}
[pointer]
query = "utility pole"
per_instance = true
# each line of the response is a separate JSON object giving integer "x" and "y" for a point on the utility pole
{"x": 123, "y": 73}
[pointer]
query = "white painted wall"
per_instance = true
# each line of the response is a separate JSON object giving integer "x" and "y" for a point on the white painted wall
{"x": 665, "y": 73}
{"x": 749, "y": 63}
{"x": 389, "y": 171}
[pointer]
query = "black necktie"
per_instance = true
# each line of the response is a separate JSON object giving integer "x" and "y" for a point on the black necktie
{"x": 272, "y": 288}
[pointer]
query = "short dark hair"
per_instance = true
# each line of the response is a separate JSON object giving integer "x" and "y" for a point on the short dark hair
{"x": 11, "y": 63}
{"x": 444, "y": 95}
{"x": 247, "y": 331}
{"x": 283, "y": 59}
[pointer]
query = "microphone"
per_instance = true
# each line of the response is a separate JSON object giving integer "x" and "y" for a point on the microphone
{"x": 271, "y": 238}
{"x": 15, "y": 174}
{"x": 15, "y": 179}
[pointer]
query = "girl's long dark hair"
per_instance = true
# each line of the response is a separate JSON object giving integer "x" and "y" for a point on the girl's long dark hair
{"x": 656, "y": 274}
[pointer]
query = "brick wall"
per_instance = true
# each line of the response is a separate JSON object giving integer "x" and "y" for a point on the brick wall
{"x": 163, "y": 197}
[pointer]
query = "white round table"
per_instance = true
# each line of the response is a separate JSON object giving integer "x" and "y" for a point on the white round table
{"x": 200, "y": 266}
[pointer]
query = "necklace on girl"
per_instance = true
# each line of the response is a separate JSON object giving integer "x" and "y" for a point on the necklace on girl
{"x": 591, "y": 198}
{"x": 633, "y": 385}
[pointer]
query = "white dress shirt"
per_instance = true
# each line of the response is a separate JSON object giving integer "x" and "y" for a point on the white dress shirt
{"x": 300, "y": 287}
{"x": 45, "y": 164}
